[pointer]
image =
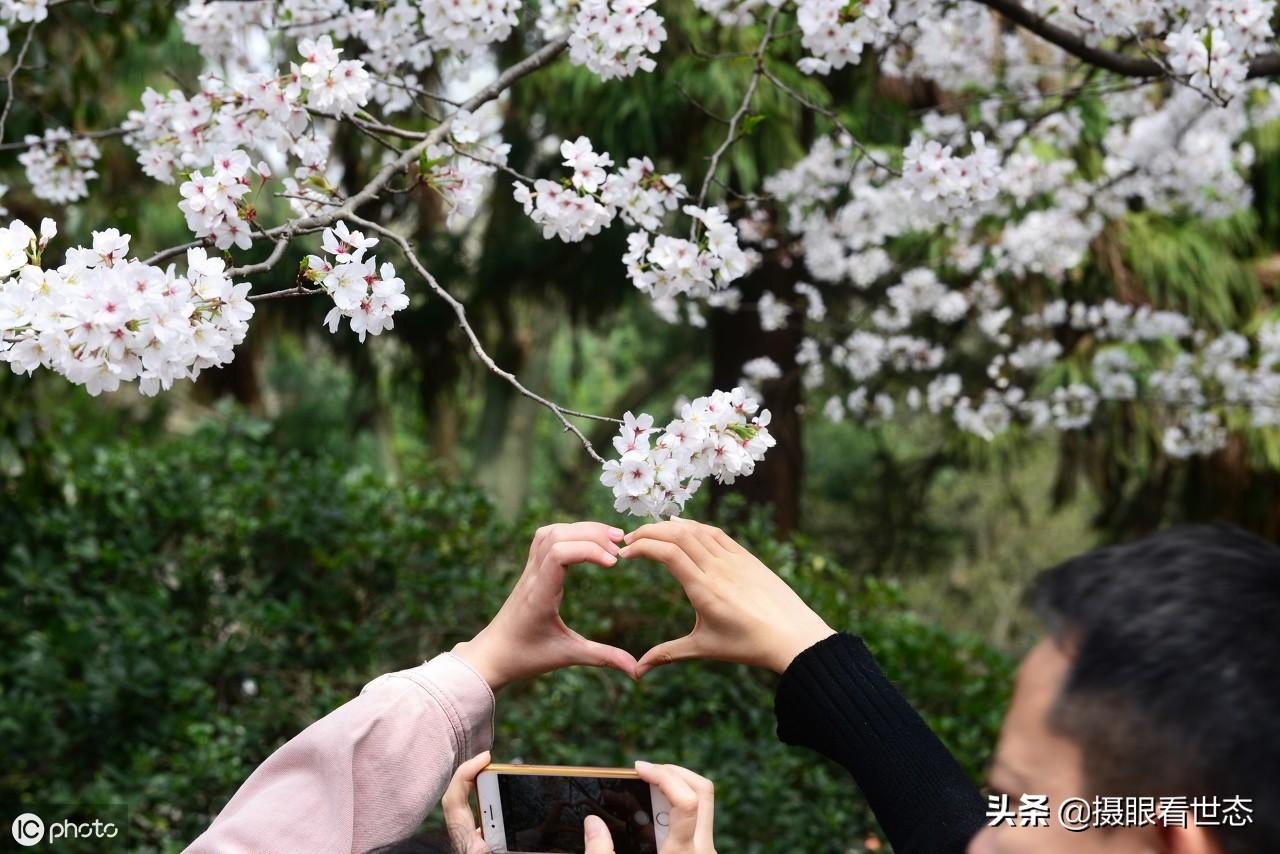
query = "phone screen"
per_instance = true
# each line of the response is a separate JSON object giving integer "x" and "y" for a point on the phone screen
{"x": 545, "y": 814}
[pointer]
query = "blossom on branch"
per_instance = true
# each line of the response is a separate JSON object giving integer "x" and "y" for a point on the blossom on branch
{"x": 659, "y": 470}
{"x": 101, "y": 320}
{"x": 367, "y": 294}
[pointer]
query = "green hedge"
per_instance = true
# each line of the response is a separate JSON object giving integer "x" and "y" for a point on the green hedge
{"x": 173, "y": 610}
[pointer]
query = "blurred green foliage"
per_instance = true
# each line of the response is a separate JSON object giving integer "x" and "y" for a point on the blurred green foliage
{"x": 173, "y": 610}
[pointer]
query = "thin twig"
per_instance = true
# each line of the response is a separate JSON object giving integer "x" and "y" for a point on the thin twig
{"x": 460, "y": 312}
{"x": 295, "y": 291}
{"x": 493, "y": 164}
{"x": 745, "y": 104}
{"x": 831, "y": 116}
{"x": 93, "y": 134}
{"x": 13, "y": 72}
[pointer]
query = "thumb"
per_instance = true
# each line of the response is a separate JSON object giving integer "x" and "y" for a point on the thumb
{"x": 680, "y": 649}
{"x": 602, "y": 655}
{"x": 596, "y": 834}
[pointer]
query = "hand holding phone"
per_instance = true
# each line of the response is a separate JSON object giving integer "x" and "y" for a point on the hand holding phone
{"x": 459, "y": 821}
{"x": 655, "y": 809}
{"x": 746, "y": 613}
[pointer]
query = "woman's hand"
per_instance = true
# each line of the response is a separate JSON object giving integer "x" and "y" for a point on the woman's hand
{"x": 456, "y": 804}
{"x": 745, "y": 613}
{"x": 527, "y": 637}
{"x": 692, "y": 819}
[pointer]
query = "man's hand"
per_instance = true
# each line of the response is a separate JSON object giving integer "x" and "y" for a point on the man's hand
{"x": 527, "y": 637}
{"x": 745, "y": 613}
{"x": 692, "y": 820}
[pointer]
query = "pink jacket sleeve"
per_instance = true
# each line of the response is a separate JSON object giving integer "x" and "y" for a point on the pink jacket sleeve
{"x": 367, "y": 773}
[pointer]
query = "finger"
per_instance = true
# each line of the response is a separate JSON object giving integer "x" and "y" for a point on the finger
{"x": 597, "y": 654}
{"x": 568, "y": 552}
{"x": 704, "y": 836}
{"x": 456, "y": 802}
{"x": 680, "y": 649}
{"x": 685, "y": 534}
{"x": 676, "y": 559}
{"x": 606, "y": 535}
{"x": 716, "y": 540}
{"x": 681, "y": 796}
{"x": 723, "y": 540}
{"x": 595, "y": 834}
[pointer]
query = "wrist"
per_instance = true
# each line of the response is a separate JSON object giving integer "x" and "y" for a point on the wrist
{"x": 479, "y": 653}
{"x": 797, "y": 642}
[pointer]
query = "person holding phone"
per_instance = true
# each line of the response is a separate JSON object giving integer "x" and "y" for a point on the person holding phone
{"x": 367, "y": 774}
{"x": 690, "y": 828}
{"x": 1159, "y": 679}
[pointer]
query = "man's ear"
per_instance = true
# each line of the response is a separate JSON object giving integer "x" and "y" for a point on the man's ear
{"x": 1187, "y": 840}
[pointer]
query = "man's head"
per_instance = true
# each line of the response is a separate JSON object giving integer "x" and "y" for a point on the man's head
{"x": 1160, "y": 678}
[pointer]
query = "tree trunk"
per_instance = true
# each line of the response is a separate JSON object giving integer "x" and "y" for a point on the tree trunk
{"x": 737, "y": 338}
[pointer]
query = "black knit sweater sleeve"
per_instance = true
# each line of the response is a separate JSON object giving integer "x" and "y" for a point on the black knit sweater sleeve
{"x": 835, "y": 699}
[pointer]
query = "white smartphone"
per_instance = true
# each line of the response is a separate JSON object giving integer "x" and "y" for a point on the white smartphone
{"x": 539, "y": 809}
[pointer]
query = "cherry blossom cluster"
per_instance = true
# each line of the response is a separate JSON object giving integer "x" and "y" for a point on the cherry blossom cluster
{"x": 59, "y": 166}
{"x": 734, "y": 13}
{"x": 836, "y": 31}
{"x": 611, "y": 38}
{"x": 1228, "y": 370}
{"x": 261, "y": 112}
{"x": 400, "y": 39}
{"x": 214, "y": 205}
{"x": 962, "y": 44}
{"x": 658, "y": 470}
{"x": 662, "y": 266}
{"x": 367, "y": 294}
{"x": 332, "y": 85}
{"x": 101, "y": 319}
{"x": 666, "y": 267}
{"x": 1034, "y": 215}
{"x": 937, "y": 177}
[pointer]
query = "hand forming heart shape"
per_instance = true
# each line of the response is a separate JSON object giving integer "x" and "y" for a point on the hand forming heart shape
{"x": 527, "y": 637}
{"x": 744, "y": 612}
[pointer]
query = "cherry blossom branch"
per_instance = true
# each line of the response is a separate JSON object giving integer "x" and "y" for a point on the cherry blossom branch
{"x": 542, "y": 56}
{"x": 1267, "y": 65}
{"x": 461, "y": 312}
